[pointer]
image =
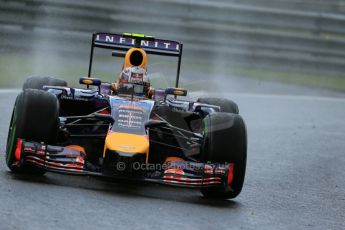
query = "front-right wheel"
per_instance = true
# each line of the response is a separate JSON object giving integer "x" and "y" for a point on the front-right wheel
{"x": 225, "y": 141}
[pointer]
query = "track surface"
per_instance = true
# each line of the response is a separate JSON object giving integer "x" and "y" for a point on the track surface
{"x": 295, "y": 179}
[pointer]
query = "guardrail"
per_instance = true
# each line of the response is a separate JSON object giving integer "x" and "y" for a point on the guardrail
{"x": 329, "y": 6}
{"x": 243, "y": 34}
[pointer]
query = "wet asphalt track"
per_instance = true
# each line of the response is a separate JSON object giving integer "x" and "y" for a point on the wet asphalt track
{"x": 295, "y": 179}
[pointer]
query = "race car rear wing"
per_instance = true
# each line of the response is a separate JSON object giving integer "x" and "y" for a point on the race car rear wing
{"x": 120, "y": 43}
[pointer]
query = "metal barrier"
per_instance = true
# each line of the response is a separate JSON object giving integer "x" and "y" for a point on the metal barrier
{"x": 329, "y": 6}
{"x": 240, "y": 32}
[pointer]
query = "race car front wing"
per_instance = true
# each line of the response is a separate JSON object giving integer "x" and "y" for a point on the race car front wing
{"x": 71, "y": 161}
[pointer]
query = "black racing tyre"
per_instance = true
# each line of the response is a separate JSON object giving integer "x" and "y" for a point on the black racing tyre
{"x": 225, "y": 141}
{"x": 35, "y": 118}
{"x": 225, "y": 105}
{"x": 36, "y": 82}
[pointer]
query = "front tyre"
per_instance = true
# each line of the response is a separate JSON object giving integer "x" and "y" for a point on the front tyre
{"x": 37, "y": 82}
{"x": 225, "y": 141}
{"x": 34, "y": 118}
{"x": 225, "y": 105}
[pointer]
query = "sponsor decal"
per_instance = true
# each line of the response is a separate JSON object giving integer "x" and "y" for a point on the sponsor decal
{"x": 115, "y": 39}
{"x": 73, "y": 98}
{"x": 130, "y": 115}
{"x": 130, "y": 118}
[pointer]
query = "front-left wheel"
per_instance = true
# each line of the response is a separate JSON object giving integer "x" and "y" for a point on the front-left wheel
{"x": 34, "y": 118}
{"x": 37, "y": 82}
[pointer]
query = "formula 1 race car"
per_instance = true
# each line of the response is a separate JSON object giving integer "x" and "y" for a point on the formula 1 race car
{"x": 97, "y": 131}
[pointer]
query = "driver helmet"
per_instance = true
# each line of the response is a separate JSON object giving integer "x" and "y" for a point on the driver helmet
{"x": 134, "y": 78}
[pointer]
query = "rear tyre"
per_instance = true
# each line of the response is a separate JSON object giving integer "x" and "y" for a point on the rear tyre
{"x": 225, "y": 141}
{"x": 36, "y": 82}
{"x": 225, "y": 105}
{"x": 35, "y": 118}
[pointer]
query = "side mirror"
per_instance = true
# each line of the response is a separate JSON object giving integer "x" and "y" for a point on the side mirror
{"x": 90, "y": 81}
{"x": 176, "y": 91}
